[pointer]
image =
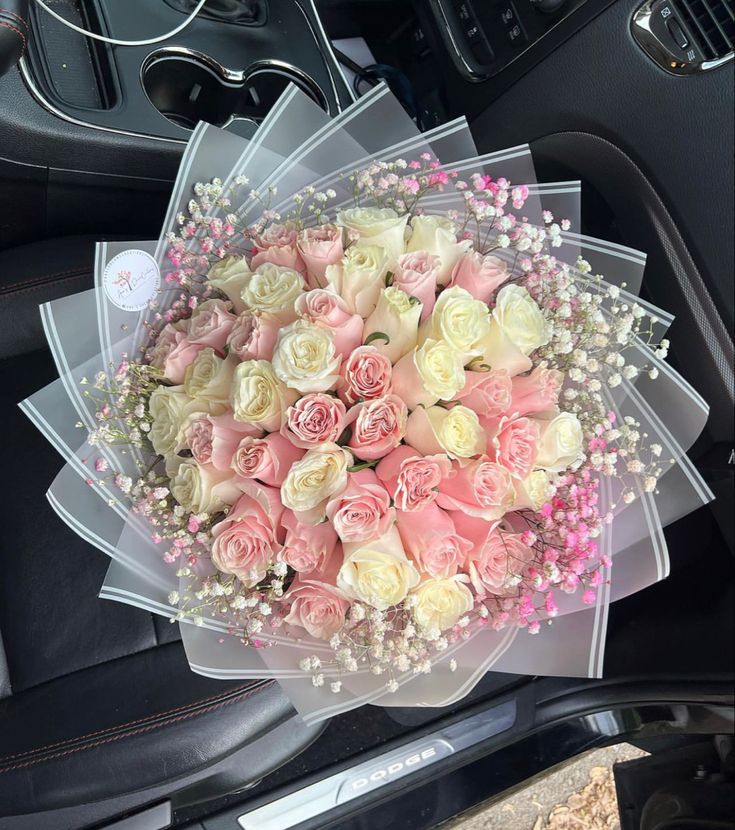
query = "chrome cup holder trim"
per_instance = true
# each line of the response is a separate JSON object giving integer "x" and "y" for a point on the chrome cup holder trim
{"x": 233, "y": 77}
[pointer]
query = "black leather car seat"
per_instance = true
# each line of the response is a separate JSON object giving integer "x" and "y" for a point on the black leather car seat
{"x": 99, "y": 711}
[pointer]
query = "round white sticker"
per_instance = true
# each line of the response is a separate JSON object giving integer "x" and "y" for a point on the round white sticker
{"x": 131, "y": 280}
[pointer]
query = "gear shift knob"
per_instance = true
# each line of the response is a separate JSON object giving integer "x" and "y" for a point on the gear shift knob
{"x": 14, "y": 33}
{"x": 232, "y": 11}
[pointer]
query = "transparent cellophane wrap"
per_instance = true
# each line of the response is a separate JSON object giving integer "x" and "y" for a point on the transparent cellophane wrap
{"x": 299, "y": 145}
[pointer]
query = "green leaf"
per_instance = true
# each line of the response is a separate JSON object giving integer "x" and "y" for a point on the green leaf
{"x": 364, "y": 465}
{"x": 376, "y": 335}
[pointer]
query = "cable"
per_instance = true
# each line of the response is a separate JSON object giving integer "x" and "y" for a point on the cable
{"x": 115, "y": 42}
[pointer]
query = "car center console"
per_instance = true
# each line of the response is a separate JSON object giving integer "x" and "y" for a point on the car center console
{"x": 483, "y": 37}
{"x": 227, "y": 67}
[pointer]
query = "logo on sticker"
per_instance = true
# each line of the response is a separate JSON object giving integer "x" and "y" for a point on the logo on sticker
{"x": 131, "y": 280}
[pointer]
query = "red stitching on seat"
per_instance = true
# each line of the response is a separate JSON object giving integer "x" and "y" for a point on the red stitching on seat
{"x": 17, "y": 32}
{"x": 121, "y": 725}
{"x": 16, "y": 16}
{"x": 140, "y": 731}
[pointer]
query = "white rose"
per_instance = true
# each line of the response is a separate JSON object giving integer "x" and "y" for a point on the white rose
{"x": 230, "y": 276}
{"x": 377, "y": 573}
{"x": 437, "y": 235}
{"x": 439, "y": 603}
{"x": 459, "y": 319}
{"x": 359, "y": 278}
{"x": 517, "y": 327}
{"x": 397, "y": 316}
{"x": 167, "y": 407}
{"x": 561, "y": 445}
{"x": 538, "y": 490}
{"x": 202, "y": 489}
{"x": 311, "y": 482}
{"x": 209, "y": 377}
{"x": 274, "y": 290}
{"x": 377, "y": 226}
{"x": 456, "y": 431}
{"x": 430, "y": 373}
{"x": 258, "y": 396}
{"x": 305, "y": 358}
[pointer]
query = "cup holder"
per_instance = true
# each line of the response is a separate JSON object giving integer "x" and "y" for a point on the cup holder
{"x": 188, "y": 86}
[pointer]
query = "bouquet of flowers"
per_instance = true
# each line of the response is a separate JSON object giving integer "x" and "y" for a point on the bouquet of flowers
{"x": 367, "y": 416}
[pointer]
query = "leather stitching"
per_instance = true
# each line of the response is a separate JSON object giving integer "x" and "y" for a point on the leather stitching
{"x": 15, "y": 15}
{"x": 17, "y": 32}
{"x": 142, "y": 730}
{"x": 43, "y": 278}
{"x": 121, "y": 725}
{"x": 41, "y": 285}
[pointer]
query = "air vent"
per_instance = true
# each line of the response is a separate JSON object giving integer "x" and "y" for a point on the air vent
{"x": 711, "y": 23}
{"x": 686, "y": 37}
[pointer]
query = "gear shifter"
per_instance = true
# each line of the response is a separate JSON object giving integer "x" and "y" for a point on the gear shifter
{"x": 14, "y": 33}
{"x": 246, "y": 12}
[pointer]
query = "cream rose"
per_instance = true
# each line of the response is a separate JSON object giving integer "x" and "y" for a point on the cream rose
{"x": 273, "y": 290}
{"x": 376, "y": 226}
{"x": 561, "y": 444}
{"x": 168, "y": 407}
{"x": 378, "y": 572}
{"x": 397, "y": 316}
{"x": 359, "y": 278}
{"x": 230, "y": 276}
{"x": 456, "y": 431}
{"x": 437, "y": 235}
{"x": 430, "y": 373}
{"x": 439, "y": 603}
{"x": 305, "y": 357}
{"x": 517, "y": 327}
{"x": 200, "y": 488}
{"x": 209, "y": 377}
{"x": 535, "y": 491}
{"x": 460, "y": 320}
{"x": 258, "y": 397}
{"x": 313, "y": 480}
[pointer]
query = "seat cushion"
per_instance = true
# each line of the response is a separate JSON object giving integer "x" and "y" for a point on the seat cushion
{"x": 34, "y": 274}
{"x": 99, "y": 710}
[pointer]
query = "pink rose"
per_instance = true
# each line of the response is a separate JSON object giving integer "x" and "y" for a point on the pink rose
{"x": 377, "y": 426}
{"x": 253, "y": 336}
{"x": 213, "y": 439}
{"x": 478, "y": 274}
{"x": 412, "y": 480}
{"x": 479, "y": 488}
{"x": 362, "y": 510}
{"x": 330, "y": 311}
{"x": 267, "y": 459}
{"x": 497, "y": 558}
{"x": 314, "y": 419}
{"x": 488, "y": 393}
{"x": 537, "y": 391}
{"x": 431, "y": 540}
{"x": 173, "y": 353}
{"x": 366, "y": 375}
{"x": 309, "y": 548}
{"x": 417, "y": 274}
{"x": 317, "y": 607}
{"x": 514, "y": 444}
{"x": 245, "y": 543}
{"x": 320, "y": 247}
{"x": 276, "y": 236}
{"x": 286, "y": 257}
{"x": 211, "y": 324}
{"x": 277, "y": 244}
